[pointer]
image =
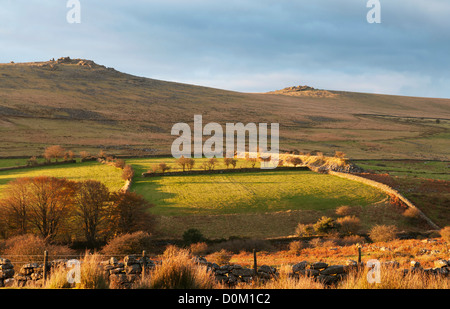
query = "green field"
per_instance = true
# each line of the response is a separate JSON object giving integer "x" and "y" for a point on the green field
{"x": 252, "y": 193}
{"x": 109, "y": 175}
{"x": 438, "y": 170}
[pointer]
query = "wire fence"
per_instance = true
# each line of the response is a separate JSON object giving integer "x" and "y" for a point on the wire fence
{"x": 19, "y": 260}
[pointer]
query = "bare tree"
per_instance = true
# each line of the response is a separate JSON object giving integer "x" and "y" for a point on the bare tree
{"x": 129, "y": 213}
{"x": 163, "y": 167}
{"x": 211, "y": 163}
{"x": 84, "y": 155}
{"x": 191, "y": 163}
{"x": 230, "y": 161}
{"x": 91, "y": 202}
{"x": 13, "y": 206}
{"x": 42, "y": 203}
{"x": 183, "y": 162}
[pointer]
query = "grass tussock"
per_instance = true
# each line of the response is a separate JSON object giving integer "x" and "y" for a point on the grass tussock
{"x": 394, "y": 279}
{"x": 178, "y": 271}
{"x": 92, "y": 275}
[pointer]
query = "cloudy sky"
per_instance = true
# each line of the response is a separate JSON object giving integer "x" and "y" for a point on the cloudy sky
{"x": 245, "y": 45}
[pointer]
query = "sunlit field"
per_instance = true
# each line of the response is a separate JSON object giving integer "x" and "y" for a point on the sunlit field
{"x": 252, "y": 192}
{"x": 106, "y": 174}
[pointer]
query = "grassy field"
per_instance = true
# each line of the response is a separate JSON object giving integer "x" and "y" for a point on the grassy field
{"x": 109, "y": 175}
{"x": 259, "y": 204}
{"x": 438, "y": 170}
{"x": 252, "y": 193}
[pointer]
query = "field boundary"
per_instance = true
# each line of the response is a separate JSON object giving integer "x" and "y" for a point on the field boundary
{"x": 226, "y": 171}
{"x": 387, "y": 189}
{"x": 17, "y": 167}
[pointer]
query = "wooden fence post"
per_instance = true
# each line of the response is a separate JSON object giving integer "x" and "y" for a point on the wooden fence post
{"x": 45, "y": 265}
{"x": 255, "y": 264}
{"x": 359, "y": 254}
{"x": 144, "y": 264}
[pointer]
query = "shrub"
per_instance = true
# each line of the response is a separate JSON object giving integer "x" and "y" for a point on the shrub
{"x": 92, "y": 276}
{"x": 31, "y": 245}
{"x": 324, "y": 225}
{"x": 381, "y": 233}
{"x": 163, "y": 167}
{"x": 199, "y": 248}
{"x": 84, "y": 155}
{"x": 344, "y": 211}
{"x": 349, "y": 225}
{"x": 230, "y": 161}
{"x": 413, "y": 214}
{"x": 192, "y": 236}
{"x": 178, "y": 271}
{"x": 295, "y": 247}
{"x": 54, "y": 152}
{"x": 445, "y": 234}
{"x": 58, "y": 279}
{"x": 119, "y": 163}
{"x": 32, "y": 161}
{"x": 128, "y": 244}
{"x": 329, "y": 243}
{"x": 315, "y": 242}
{"x": 128, "y": 172}
{"x": 221, "y": 257}
{"x": 304, "y": 230}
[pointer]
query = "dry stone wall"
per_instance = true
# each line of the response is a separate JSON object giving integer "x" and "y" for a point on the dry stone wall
{"x": 386, "y": 189}
{"x": 123, "y": 274}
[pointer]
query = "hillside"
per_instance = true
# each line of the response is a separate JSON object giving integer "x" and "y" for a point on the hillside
{"x": 84, "y": 106}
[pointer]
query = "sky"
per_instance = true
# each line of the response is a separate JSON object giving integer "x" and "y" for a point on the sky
{"x": 245, "y": 45}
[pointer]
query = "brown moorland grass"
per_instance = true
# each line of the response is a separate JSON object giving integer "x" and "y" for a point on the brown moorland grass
{"x": 83, "y": 108}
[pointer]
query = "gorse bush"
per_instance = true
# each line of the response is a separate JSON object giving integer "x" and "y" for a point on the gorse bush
{"x": 324, "y": 225}
{"x": 193, "y": 236}
{"x": 304, "y": 230}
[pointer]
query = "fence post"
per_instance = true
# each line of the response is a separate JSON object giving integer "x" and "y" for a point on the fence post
{"x": 144, "y": 264}
{"x": 255, "y": 265}
{"x": 45, "y": 265}
{"x": 359, "y": 254}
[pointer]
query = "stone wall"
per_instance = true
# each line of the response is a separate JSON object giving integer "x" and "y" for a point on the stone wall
{"x": 386, "y": 189}
{"x": 6, "y": 272}
{"x": 123, "y": 274}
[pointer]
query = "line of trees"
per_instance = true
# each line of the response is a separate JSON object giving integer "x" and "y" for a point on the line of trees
{"x": 49, "y": 207}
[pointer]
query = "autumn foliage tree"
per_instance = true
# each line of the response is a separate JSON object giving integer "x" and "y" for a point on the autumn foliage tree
{"x": 14, "y": 207}
{"x": 91, "y": 201}
{"x": 129, "y": 213}
{"x": 54, "y": 152}
{"x": 39, "y": 203}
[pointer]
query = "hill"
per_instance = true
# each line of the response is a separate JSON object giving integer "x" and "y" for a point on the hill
{"x": 81, "y": 105}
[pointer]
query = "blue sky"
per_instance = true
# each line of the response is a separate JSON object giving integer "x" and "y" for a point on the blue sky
{"x": 245, "y": 45}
